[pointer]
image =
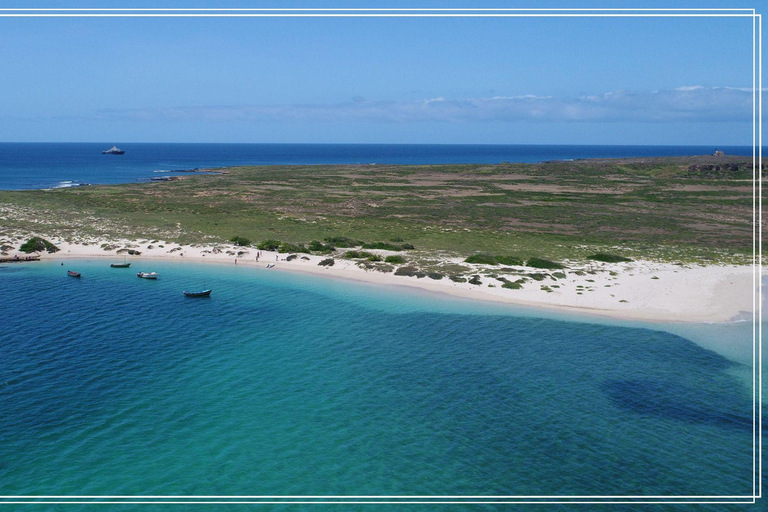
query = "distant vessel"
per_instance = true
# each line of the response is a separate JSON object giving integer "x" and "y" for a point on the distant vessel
{"x": 204, "y": 293}
{"x": 73, "y": 273}
{"x": 114, "y": 150}
{"x": 148, "y": 275}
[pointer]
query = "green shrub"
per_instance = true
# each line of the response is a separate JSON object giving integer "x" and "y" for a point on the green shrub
{"x": 410, "y": 271}
{"x": 382, "y": 245}
{"x": 537, "y": 276}
{"x": 316, "y": 246}
{"x": 286, "y": 247}
{"x": 374, "y": 257}
{"x": 269, "y": 245}
{"x": 435, "y": 275}
{"x": 483, "y": 258}
{"x": 542, "y": 263}
{"x": 240, "y": 240}
{"x": 37, "y": 244}
{"x": 458, "y": 279}
{"x": 359, "y": 254}
{"x": 608, "y": 258}
{"x": 510, "y": 260}
{"x": 343, "y": 241}
{"x": 558, "y": 275}
{"x": 396, "y": 239}
{"x": 475, "y": 280}
{"x": 407, "y": 247}
{"x": 513, "y": 285}
{"x": 328, "y": 262}
{"x": 397, "y": 259}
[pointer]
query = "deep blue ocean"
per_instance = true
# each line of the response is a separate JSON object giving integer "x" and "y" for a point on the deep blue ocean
{"x": 48, "y": 165}
{"x": 284, "y": 384}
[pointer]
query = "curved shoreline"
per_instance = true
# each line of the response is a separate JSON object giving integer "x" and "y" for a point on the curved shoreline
{"x": 640, "y": 291}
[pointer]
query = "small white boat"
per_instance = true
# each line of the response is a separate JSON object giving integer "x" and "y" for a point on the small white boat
{"x": 270, "y": 265}
{"x": 114, "y": 150}
{"x": 148, "y": 275}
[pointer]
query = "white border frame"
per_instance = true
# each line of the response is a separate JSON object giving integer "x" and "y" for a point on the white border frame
{"x": 757, "y": 198}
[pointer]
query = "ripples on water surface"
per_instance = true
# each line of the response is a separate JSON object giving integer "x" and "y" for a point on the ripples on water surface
{"x": 294, "y": 385}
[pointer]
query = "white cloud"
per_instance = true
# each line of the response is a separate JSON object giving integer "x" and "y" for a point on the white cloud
{"x": 692, "y": 103}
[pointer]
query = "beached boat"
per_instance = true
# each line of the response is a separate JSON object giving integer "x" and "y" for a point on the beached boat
{"x": 148, "y": 275}
{"x": 270, "y": 265}
{"x": 73, "y": 273}
{"x": 114, "y": 150}
{"x": 204, "y": 293}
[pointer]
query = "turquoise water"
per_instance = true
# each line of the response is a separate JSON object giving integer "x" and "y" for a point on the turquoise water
{"x": 285, "y": 384}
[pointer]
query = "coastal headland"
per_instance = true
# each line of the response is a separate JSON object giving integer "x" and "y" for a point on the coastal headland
{"x": 667, "y": 239}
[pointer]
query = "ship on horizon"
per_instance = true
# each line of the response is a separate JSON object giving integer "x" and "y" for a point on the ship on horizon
{"x": 114, "y": 150}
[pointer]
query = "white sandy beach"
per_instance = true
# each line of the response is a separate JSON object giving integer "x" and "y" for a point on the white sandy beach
{"x": 638, "y": 290}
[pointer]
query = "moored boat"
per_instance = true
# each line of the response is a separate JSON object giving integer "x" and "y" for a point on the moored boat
{"x": 73, "y": 273}
{"x": 120, "y": 265}
{"x": 114, "y": 150}
{"x": 204, "y": 293}
{"x": 148, "y": 275}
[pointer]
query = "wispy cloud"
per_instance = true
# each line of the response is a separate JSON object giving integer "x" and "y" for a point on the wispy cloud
{"x": 692, "y": 103}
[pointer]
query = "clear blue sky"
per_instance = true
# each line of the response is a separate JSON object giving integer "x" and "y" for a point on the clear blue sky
{"x": 419, "y": 80}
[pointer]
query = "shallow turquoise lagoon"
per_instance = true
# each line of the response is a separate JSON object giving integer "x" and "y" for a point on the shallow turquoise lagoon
{"x": 286, "y": 384}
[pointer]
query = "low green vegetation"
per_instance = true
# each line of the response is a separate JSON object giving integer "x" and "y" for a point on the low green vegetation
{"x": 320, "y": 247}
{"x": 240, "y": 240}
{"x": 395, "y": 258}
{"x": 691, "y": 209}
{"x": 37, "y": 244}
{"x": 328, "y": 262}
{"x": 608, "y": 258}
{"x": 343, "y": 242}
{"x": 286, "y": 247}
{"x": 354, "y": 255}
{"x": 483, "y": 259}
{"x": 386, "y": 246}
{"x": 489, "y": 259}
{"x": 542, "y": 263}
{"x": 509, "y": 260}
{"x": 410, "y": 271}
{"x": 269, "y": 245}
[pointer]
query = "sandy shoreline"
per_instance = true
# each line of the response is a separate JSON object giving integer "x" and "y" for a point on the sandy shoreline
{"x": 638, "y": 290}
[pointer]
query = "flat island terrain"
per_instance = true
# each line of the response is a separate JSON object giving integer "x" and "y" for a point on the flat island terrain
{"x": 649, "y": 238}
